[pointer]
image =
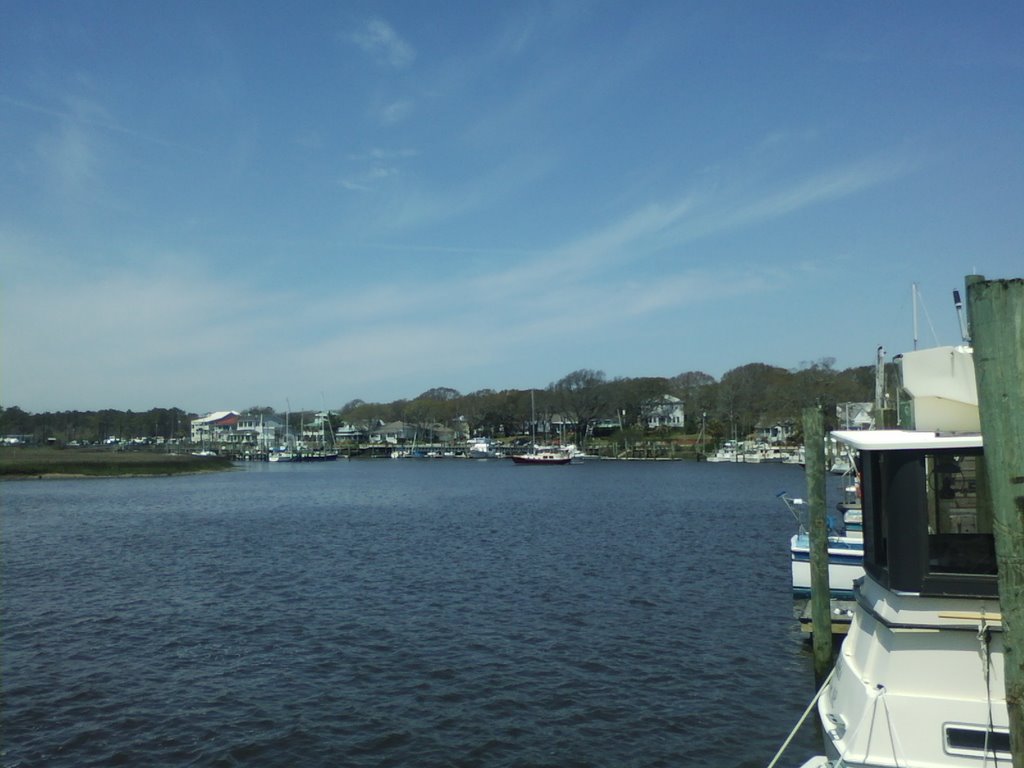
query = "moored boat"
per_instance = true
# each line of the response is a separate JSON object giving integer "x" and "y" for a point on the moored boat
{"x": 543, "y": 457}
{"x": 483, "y": 448}
{"x": 920, "y": 677}
{"x": 845, "y": 556}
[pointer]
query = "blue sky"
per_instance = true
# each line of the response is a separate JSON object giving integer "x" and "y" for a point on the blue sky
{"x": 223, "y": 204}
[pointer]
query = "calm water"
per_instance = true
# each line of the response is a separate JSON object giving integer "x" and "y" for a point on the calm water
{"x": 404, "y": 613}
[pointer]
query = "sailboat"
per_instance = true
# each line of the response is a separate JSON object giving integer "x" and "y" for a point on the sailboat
{"x": 326, "y": 451}
{"x": 284, "y": 452}
{"x": 540, "y": 457}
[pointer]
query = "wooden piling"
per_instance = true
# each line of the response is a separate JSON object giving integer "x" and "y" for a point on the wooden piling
{"x": 821, "y": 604}
{"x": 996, "y": 322}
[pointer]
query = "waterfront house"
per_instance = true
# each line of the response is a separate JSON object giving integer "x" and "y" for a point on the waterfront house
{"x": 236, "y": 429}
{"x": 664, "y": 411}
{"x": 263, "y": 431}
{"x": 855, "y": 415}
{"x": 350, "y": 432}
{"x": 774, "y": 432}
{"x": 216, "y": 427}
{"x": 394, "y": 432}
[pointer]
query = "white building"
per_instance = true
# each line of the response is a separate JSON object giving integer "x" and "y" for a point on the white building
{"x": 259, "y": 431}
{"x": 664, "y": 411}
{"x": 231, "y": 427}
{"x": 216, "y": 427}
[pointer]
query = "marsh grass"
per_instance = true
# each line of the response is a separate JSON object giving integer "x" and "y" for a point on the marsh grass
{"x": 49, "y": 462}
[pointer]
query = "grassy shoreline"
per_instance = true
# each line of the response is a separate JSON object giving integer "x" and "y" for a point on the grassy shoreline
{"x": 35, "y": 463}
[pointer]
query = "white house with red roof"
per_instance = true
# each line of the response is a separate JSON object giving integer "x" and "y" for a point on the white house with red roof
{"x": 217, "y": 427}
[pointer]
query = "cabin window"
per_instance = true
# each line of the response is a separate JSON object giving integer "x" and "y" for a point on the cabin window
{"x": 928, "y": 522}
{"x": 960, "y": 539}
{"x": 977, "y": 741}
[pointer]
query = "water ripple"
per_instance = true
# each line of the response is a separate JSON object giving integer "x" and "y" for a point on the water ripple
{"x": 402, "y": 613}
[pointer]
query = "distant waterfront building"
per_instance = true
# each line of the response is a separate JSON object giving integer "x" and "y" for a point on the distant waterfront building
{"x": 233, "y": 428}
{"x": 217, "y": 427}
{"x": 259, "y": 431}
{"x": 395, "y": 432}
{"x": 774, "y": 432}
{"x": 664, "y": 411}
{"x": 355, "y": 432}
{"x": 855, "y": 415}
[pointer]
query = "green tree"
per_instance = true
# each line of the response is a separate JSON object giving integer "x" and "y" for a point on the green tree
{"x": 629, "y": 399}
{"x": 699, "y": 393}
{"x": 745, "y": 395}
{"x": 582, "y": 396}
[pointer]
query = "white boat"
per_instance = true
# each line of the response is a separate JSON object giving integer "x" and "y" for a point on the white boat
{"x": 920, "y": 679}
{"x": 483, "y": 448}
{"x": 845, "y": 556}
{"x": 850, "y": 509}
{"x": 543, "y": 457}
{"x": 796, "y": 456}
{"x": 575, "y": 454}
{"x": 285, "y": 452}
{"x": 727, "y": 453}
{"x": 845, "y": 565}
{"x": 841, "y": 465}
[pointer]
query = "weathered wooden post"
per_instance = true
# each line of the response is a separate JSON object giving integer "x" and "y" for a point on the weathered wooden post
{"x": 821, "y": 604}
{"x": 996, "y": 317}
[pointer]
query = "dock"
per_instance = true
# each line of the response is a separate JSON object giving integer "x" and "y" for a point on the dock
{"x": 842, "y": 615}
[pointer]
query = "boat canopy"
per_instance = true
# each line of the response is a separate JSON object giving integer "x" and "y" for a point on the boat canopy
{"x": 905, "y": 440}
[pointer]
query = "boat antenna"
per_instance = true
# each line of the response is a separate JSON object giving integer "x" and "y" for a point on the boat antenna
{"x": 960, "y": 316}
{"x": 913, "y": 298}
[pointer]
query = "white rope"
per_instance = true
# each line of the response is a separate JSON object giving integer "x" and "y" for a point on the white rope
{"x": 803, "y": 717}
{"x": 851, "y": 736}
{"x": 894, "y": 737}
{"x": 984, "y": 639}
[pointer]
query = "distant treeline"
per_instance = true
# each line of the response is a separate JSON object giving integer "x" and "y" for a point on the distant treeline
{"x": 94, "y": 426}
{"x": 734, "y": 405}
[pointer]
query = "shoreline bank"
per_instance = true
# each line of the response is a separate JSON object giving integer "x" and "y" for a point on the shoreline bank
{"x": 60, "y": 463}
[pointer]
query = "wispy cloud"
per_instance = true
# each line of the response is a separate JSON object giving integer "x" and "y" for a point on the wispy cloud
{"x": 373, "y": 167}
{"x": 87, "y": 113}
{"x": 174, "y": 321}
{"x": 378, "y": 38}
{"x": 69, "y": 156}
{"x": 383, "y": 153}
{"x": 722, "y": 206}
{"x": 369, "y": 178}
{"x": 396, "y": 111}
{"x": 821, "y": 188}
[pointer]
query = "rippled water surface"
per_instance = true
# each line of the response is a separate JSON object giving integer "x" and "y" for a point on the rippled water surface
{"x": 403, "y": 613}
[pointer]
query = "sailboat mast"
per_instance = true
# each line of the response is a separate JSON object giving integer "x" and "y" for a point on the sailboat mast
{"x": 533, "y": 420}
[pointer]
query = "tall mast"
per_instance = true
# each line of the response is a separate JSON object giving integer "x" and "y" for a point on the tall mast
{"x": 913, "y": 297}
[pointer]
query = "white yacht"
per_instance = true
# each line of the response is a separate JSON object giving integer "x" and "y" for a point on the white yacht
{"x": 483, "y": 448}
{"x": 919, "y": 679}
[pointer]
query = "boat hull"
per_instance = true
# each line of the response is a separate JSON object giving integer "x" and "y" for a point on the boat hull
{"x": 845, "y": 565}
{"x": 892, "y": 708}
{"x": 538, "y": 459}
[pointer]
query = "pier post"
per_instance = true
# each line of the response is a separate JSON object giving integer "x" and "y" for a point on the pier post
{"x": 996, "y": 319}
{"x": 821, "y": 604}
